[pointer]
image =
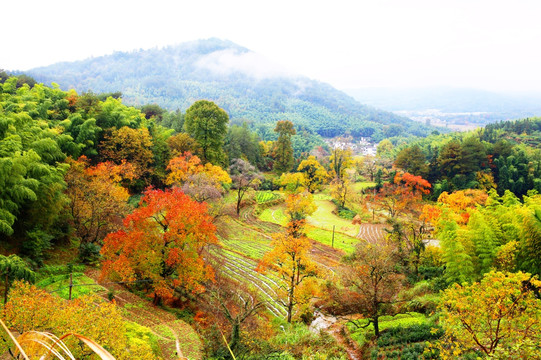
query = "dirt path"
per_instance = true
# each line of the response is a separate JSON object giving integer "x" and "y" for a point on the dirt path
{"x": 353, "y": 351}
{"x": 173, "y": 335}
{"x": 335, "y": 328}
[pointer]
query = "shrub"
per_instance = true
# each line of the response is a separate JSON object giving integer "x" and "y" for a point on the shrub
{"x": 414, "y": 333}
{"x": 89, "y": 252}
{"x": 35, "y": 245}
{"x": 346, "y": 214}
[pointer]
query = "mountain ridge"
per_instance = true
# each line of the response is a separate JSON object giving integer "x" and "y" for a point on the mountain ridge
{"x": 242, "y": 82}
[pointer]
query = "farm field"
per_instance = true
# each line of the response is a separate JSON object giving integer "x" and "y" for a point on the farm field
{"x": 403, "y": 335}
{"x": 245, "y": 240}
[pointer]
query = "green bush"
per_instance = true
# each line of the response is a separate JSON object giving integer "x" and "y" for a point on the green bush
{"x": 410, "y": 334}
{"x": 185, "y": 315}
{"x": 35, "y": 245}
{"x": 346, "y": 214}
{"x": 137, "y": 333}
{"x": 89, "y": 252}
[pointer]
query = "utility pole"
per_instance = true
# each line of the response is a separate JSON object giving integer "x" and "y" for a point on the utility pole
{"x": 332, "y": 242}
{"x": 71, "y": 284}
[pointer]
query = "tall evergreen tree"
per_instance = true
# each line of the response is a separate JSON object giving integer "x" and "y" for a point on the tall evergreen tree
{"x": 283, "y": 150}
{"x": 207, "y": 124}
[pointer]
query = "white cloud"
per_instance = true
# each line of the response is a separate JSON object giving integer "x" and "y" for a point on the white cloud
{"x": 229, "y": 61}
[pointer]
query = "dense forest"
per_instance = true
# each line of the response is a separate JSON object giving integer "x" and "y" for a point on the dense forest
{"x": 176, "y": 76}
{"x": 148, "y": 233}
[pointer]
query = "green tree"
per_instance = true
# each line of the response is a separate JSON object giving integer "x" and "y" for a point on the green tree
{"x": 412, "y": 160}
{"x": 474, "y": 156}
{"x": 529, "y": 256}
{"x": 242, "y": 143}
{"x": 14, "y": 268}
{"x": 340, "y": 161}
{"x": 283, "y": 150}
{"x": 207, "y": 124}
{"x": 449, "y": 159}
{"x": 458, "y": 263}
{"x": 385, "y": 148}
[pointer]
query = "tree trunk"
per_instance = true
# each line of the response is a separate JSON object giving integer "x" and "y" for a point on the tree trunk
{"x": 376, "y": 326}
{"x": 7, "y": 287}
{"x": 235, "y": 335}
{"x": 239, "y": 200}
{"x": 290, "y": 300}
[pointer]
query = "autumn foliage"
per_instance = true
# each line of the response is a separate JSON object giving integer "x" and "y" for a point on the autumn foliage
{"x": 186, "y": 165}
{"x": 162, "y": 242}
{"x": 98, "y": 201}
{"x": 500, "y": 317}
{"x": 33, "y": 309}
{"x": 405, "y": 193}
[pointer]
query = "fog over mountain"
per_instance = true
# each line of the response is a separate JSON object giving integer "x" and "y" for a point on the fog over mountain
{"x": 244, "y": 83}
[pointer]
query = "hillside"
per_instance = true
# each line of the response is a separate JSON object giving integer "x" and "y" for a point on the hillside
{"x": 451, "y": 106}
{"x": 242, "y": 82}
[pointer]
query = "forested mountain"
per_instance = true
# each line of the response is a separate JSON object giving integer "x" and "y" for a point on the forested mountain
{"x": 243, "y": 83}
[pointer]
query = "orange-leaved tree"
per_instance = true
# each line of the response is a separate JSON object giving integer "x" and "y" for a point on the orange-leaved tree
{"x": 405, "y": 193}
{"x": 162, "y": 242}
{"x": 98, "y": 201}
{"x": 373, "y": 276}
{"x": 184, "y": 166}
{"x": 461, "y": 201}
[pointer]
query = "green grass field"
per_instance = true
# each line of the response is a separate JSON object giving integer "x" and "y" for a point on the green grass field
{"x": 59, "y": 284}
{"x": 265, "y": 196}
{"x": 320, "y": 223}
{"x": 341, "y": 241}
{"x": 274, "y": 215}
{"x": 324, "y": 218}
{"x": 361, "y": 185}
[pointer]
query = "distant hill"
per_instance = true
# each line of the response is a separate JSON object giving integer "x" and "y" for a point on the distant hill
{"x": 242, "y": 82}
{"x": 454, "y": 106}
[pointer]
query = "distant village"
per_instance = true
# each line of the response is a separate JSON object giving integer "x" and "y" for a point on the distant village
{"x": 363, "y": 146}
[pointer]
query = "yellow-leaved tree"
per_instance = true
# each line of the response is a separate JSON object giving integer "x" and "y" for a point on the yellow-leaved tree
{"x": 499, "y": 317}
{"x": 314, "y": 174}
{"x": 290, "y": 257}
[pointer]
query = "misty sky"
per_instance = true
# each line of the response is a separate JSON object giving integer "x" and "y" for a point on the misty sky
{"x": 487, "y": 44}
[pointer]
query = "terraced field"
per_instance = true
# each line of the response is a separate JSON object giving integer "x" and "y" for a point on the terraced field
{"x": 245, "y": 240}
{"x": 243, "y": 270}
{"x": 372, "y": 233}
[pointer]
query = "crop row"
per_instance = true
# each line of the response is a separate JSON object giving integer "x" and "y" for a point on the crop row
{"x": 371, "y": 232}
{"x": 264, "y": 196}
{"x": 243, "y": 270}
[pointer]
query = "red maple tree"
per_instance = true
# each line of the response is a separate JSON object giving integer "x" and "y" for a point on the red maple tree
{"x": 162, "y": 242}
